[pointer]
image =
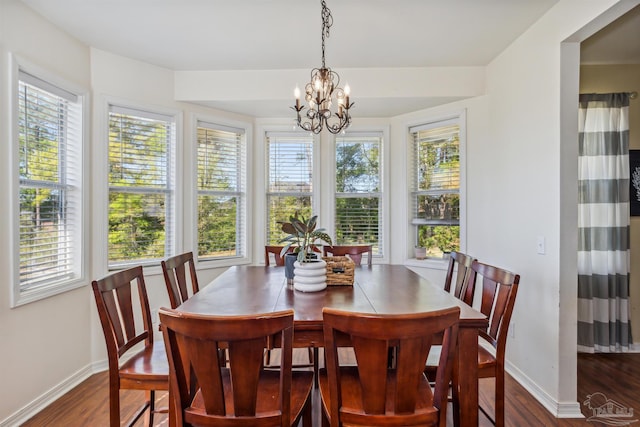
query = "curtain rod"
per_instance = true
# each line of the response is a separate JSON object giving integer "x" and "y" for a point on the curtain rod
{"x": 633, "y": 95}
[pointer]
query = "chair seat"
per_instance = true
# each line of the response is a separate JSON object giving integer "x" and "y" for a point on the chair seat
{"x": 486, "y": 363}
{"x": 352, "y": 398}
{"x": 269, "y": 385}
{"x": 147, "y": 365}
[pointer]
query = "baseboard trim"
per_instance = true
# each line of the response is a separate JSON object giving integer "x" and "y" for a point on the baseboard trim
{"x": 51, "y": 395}
{"x": 557, "y": 409}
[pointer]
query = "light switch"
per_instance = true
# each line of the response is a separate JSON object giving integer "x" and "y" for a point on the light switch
{"x": 540, "y": 245}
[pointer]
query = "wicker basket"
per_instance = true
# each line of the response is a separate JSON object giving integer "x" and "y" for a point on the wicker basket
{"x": 340, "y": 270}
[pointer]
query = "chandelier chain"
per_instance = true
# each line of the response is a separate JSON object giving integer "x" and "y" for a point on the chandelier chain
{"x": 327, "y": 22}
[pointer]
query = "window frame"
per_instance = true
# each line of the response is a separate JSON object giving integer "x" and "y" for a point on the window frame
{"x": 381, "y": 135}
{"x": 19, "y": 295}
{"x": 246, "y": 199}
{"x": 459, "y": 119}
{"x": 176, "y": 179}
{"x": 316, "y": 173}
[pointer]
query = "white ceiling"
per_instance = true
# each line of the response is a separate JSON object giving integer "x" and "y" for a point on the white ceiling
{"x": 191, "y": 35}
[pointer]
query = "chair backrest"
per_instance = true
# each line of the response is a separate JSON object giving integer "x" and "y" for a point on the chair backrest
{"x": 499, "y": 289}
{"x": 229, "y": 394}
{"x": 354, "y": 252}
{"x": 114, "y": 300}
{"x": 460, "y": 264}
{"x": 372, "y": 336}
{"x": 175, "y": 277}
{"x": 276, "y": 251}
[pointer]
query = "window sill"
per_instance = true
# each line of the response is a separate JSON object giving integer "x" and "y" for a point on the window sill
{"x": 22, "y": 297}
{"x": 432, "y": 263}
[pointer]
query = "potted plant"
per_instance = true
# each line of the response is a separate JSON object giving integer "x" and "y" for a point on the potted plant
{"x": 309, "y": 272}
{"x": 420, "y": 252}
{"x": 303, "y": 236}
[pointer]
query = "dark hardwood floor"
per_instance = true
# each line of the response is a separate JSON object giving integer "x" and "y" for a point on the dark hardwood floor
{"x": 615, "y": 376}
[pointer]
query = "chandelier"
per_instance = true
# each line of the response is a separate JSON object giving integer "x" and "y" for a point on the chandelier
{"x": 320, "y": 92}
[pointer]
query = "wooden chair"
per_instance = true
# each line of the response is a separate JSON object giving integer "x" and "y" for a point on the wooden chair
{"x": 147, "y": 369}
{"x": 175, "y": 277}
{"x": 462, "y": 290}
{"x": 372, "y": 394}
{"x": 275, "y": 250}
{"x": 354, "y": 252}
{"x": 244, "y": 393}
{"x": 499, "y": 289}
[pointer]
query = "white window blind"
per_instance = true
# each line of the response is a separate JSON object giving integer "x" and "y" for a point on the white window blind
{"x": 221, "y": 178}
{"x": 141, "y": 186}
{"x": 289, "y": 180}
{"x": 50, "y": 193}
{"x": 436, "y": 186}
{"x": 358, "y": 204}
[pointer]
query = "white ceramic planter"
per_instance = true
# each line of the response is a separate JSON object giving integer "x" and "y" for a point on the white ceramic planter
{"x": 310, "y": 276}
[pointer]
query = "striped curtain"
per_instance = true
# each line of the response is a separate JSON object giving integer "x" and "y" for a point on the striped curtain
{"x": 603, "y": 221}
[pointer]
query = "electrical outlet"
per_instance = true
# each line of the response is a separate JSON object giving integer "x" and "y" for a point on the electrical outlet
{"x": 154, "y": 316}
{"x": 512, "y": 330}
{"x": 540, "y": 247}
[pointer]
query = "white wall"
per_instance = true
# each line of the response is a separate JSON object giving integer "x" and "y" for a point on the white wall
{"x": 526, "y": 162}
{"x": 43, "y": 345}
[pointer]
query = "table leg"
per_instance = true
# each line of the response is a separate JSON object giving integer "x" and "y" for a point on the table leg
{"x": 465, "y": 379}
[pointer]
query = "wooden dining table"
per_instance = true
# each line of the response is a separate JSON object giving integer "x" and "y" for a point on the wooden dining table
{"x": 383, "y": 289}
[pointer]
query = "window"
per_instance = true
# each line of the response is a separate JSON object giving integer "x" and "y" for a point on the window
{"x": 436, "y": 186}
{"x": 141, "y": 186}
{"x": 358, "y": 204}
{"x": 289, "y": 180}
{"x": 50, "y": 194}
{"x": 221, "y": 179}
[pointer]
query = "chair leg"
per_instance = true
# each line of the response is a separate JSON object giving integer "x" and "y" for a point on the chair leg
{"x": 151, "y": 396}
{"x": 316, "y": 363}
{"x": 114, "y": 406}
{"x": 267, "y": 358}
{"x": 147, "y": 409}
{"x": 499, "y": 399}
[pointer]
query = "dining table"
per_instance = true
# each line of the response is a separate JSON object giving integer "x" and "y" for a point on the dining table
{"x": 382, "y": 289}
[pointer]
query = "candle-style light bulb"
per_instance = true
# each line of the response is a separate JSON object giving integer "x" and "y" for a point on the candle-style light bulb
{"x": 296, "y": 93}
{"x": 347, "y": 90}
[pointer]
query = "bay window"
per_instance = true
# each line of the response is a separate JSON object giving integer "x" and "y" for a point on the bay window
{"x": 289, "y": 161}
{"x": 48, "y": 221}
{"x": 436, "y": 186}
{"x": 358, "y": 195}
{"x": 221, "y": 187}
{"x": 141, "y": 227}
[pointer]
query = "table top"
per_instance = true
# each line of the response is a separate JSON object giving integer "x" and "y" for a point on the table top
{"x": 382, "y": 289}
